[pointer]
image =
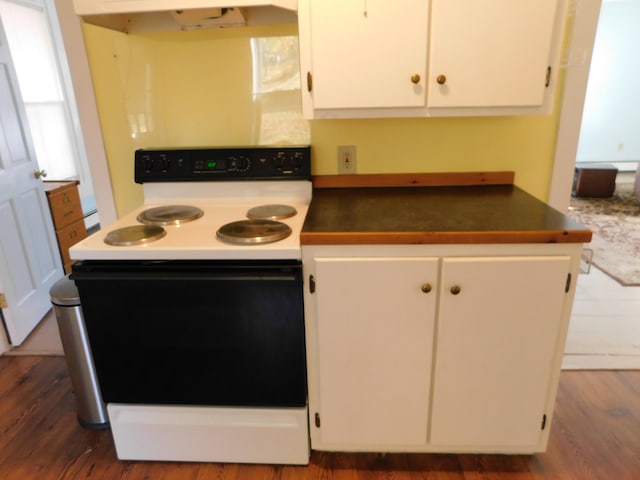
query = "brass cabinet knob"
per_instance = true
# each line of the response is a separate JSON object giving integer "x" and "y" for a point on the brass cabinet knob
{"x": 426, "y": 287}
{"x": 39, "y": 173}
{"x": 455, "y": 290}
{"x": 441, "y": 79}
{"x": 415, "y": 79}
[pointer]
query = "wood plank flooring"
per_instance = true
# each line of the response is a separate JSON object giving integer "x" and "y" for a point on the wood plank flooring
{"x": 604, "y": 331}
{"x": 595, "y": 435}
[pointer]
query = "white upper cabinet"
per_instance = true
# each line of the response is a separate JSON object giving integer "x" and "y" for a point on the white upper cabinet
{"x": 364, "y": 58}
{"x": 364, "y": 54}
{"x": 490, "y": 53}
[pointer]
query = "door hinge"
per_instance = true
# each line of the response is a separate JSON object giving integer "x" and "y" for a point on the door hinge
{"x": 317, "y": 418}
{"x": 3, "y": 301}
{"x": 312, "y": 284}
{"x": 547, "y": 81}
{"x": 567, "y": 286}
{"x": 544, "y": 422}
{"x": 309, "y": 82}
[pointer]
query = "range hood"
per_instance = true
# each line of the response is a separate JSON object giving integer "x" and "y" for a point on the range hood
{"x": 164, "y": 15}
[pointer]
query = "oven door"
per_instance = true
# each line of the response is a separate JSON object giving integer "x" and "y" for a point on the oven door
{"x": 196, "y": 332}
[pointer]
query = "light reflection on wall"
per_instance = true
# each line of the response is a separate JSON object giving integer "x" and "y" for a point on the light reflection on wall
{"x": 276, "y": 92}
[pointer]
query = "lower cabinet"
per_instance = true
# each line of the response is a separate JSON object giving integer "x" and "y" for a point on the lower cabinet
{"x": 375, "y": 339}
{"x": 440, "y": 352}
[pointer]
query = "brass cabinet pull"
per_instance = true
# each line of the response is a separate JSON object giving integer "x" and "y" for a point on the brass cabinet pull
{"x": 426, "y": 287}
{"x": 415, "y": 79}
{"x": 455, "y": 290}
{"x": 441, "y": 79}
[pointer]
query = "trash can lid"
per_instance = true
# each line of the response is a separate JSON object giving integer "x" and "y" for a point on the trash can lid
{"x": 64, "y": 292}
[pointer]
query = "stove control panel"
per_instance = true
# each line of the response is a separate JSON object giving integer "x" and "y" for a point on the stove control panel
{"x": 223, "y": 164}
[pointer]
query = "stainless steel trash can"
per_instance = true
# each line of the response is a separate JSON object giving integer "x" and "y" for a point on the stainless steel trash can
{"x": 92, "y": 413}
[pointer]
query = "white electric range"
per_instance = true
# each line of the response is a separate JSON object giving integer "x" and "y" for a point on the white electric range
{"x": 193, "y": 307}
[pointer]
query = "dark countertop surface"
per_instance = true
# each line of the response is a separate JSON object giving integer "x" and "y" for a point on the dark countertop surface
{"x": 435, "y": 215}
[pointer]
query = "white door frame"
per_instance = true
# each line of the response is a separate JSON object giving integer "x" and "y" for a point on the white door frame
{"x": 73, "y": 40}
{"x": 585, "y": 24}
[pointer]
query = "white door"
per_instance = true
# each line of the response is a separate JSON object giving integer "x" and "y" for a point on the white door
{"x": 29, "y": 261}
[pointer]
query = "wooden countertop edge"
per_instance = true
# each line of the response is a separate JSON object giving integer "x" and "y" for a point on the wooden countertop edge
{"x": 426, "y": 238}
{"x": 447, "y": 179}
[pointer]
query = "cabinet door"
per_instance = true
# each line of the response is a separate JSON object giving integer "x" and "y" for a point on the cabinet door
{"x": 364, "y": 53}
{"x": 495, "y": 349}
{"x": 375, "y": 331}
{"x": 489, "y": 53}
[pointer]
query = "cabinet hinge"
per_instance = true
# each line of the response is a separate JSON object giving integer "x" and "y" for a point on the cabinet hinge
{"x": 312, "y": 284}
{"x": 3, "y": 301}
{"x": 544, "y": 422}
{"x": 547, "y": 81}
{"x": 317, "y": 418}
{"x": 309, "y": 81}
{"x": 567, "y": 286}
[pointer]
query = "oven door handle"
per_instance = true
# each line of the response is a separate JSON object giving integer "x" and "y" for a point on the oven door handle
{"x": 186, "y": 276}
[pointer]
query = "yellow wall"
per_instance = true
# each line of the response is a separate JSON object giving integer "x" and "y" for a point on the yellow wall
{"x": 195, "y": 88}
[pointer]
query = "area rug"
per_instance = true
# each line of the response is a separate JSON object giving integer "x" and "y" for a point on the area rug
{"x": 615, "y": 222}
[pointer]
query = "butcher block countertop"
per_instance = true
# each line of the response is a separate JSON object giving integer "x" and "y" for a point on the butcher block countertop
{"x": 440, "y": 208}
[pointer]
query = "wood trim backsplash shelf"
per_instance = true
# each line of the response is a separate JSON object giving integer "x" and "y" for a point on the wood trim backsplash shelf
{"x": 66, "y": 212}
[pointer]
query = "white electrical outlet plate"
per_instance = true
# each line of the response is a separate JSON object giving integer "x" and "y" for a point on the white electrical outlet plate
{"x": 346, "y": 159}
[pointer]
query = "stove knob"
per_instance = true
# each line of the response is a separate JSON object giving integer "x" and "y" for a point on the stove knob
{"x": 165, "y": 163}
{"x": 279, "y": 161}
{"x": 148, "y": 163}
{"x": 243, "y": 164}
{"x": 297, "y": 160}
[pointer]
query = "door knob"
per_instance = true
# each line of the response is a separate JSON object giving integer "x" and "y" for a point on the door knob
{"x": 441, "y": 79}
{"x": 426, "y": 287}
{"x": 39, "y": 173}
{"x": 415, "y": 79}
{"x": 455, "y": 290}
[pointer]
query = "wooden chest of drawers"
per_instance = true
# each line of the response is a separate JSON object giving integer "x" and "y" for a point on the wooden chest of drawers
{"x": 66, "y": 211}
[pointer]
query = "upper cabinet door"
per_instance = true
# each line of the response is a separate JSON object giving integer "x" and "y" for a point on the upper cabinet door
{"x": 363, "y": 54}
{"x": 490, "y": 53}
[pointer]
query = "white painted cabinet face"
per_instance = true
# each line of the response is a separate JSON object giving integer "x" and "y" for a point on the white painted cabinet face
{"x": 436, "y": 353}
{"x": 429, "y": 57}
{"x": 364, "y": 54}
{"x": 375, "y": 334}
{"x": 490, "y": 53}
{"x": 496, "y": 342}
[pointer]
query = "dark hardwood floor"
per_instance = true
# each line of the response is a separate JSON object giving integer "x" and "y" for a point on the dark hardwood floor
{"x": 595, "y": 435}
